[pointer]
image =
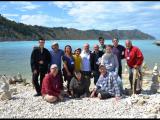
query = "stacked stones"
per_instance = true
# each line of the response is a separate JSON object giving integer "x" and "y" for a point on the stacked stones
{"x": 4, "y": 89}
{"x": 155, "y": 82}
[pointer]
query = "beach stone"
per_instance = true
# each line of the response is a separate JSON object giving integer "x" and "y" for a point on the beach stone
{"x": 13, "y": 90}
{"x": 5, "y": 95}
{"x": 4, "y": 86}
{"x": 141, "y": 101}
{"x": 146, "y": 97}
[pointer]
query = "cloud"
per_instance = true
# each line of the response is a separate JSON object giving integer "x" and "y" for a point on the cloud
{"x": 24, "y": 6}
{"x": 10, "y": 15}
{"x": 41, "y": 20}
{"x": 155, "y": 7}
{"x": 89, "y": 13}
{"x": 62, "y": 4}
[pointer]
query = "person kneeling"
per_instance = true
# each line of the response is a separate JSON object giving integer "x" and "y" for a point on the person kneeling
{"x": 51, "y": 87}
{"x": 106, "y": 86}
{"x": 78, "y": 86}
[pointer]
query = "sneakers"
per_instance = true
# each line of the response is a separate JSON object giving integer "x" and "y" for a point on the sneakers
{"x": 38, "y": 94}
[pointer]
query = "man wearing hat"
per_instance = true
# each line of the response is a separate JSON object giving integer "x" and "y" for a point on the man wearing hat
{"x": 51, "y": 87}
{"x": 56, "y": 58}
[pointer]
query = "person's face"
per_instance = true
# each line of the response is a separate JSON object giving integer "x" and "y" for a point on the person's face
{"x": 115, "y": 42}
{"x": 108, "y": 49}
{"x": 96, "y": 48}
{"x": 68, "y": 50}
{"x": 101, "y": 41}
{"x": 54, "y": 71}
{"x": 103, "y": 70}
{"x": 41, "y": 43}
{"x": 128, "y": 44}
{"x": 86, "y": 47}
{"x": 77, "y": 52}
{"x": 55, "y": 47}
{"x": 78, "y": 75}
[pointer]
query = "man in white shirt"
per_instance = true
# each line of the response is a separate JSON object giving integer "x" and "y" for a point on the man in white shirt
{"x": 86, "y": 65}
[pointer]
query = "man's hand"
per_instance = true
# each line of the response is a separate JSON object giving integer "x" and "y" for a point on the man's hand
{"x": 135, "y": 66}
{"x": 35, "y": 72}
{"x": 41, "y": 62}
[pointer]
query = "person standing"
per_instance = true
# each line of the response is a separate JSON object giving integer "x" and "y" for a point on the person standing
{"x": 68, "y": 66}
{"x": 40, "y": 61}
{"x": 77, "y": 60}
{"x": 110, "y": 60}
{"x": 86, "y": 65}
{"x": 134, "y": 58}
{"x": 95, "y": 55}
{"x": 118, "y": 50}
{"x": 56, "y": 58}
{"x": 102, "y": 46}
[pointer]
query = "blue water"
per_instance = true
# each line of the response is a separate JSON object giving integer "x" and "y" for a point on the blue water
{"x": 15, "y": 56}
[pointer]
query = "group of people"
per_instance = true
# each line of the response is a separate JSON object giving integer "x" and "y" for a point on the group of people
{"x": 78, "y": 67}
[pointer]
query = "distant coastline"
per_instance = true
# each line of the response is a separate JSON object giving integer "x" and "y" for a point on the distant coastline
{"x": 12, "y": 31}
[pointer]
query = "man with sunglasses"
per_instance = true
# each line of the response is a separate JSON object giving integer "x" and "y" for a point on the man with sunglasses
{"x": 40, "y": 60}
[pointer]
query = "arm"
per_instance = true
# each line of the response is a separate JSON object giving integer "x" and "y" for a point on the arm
{"x": 123, "y": 52}
{"x": 65, "y": 66}
{"x": 33, "y": 61}
{"x": 116, "y": 64}
{"x": 140, "y": 57}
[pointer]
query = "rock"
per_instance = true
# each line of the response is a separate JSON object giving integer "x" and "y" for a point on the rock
{"x": 13, "y": 90}
{"x": 5, "y": 96}
{"x": 141, "y": 101}
{"x": 146, "y": 97}
{"x": 4, "y": 86}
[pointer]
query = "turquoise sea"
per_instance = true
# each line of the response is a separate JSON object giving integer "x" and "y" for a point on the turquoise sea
{"x": 15, "y": 56}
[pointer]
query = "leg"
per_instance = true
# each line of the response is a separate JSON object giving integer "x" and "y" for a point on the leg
{"x": 96, "y": 76}
{"x": 120, "y": 71}
{"x": 61, "y": 79}
{"x": 131, "y": 77}
{"x": 68, "y": 84}
{"x": 42, "y": 74}
{"x": 35, "y": 82}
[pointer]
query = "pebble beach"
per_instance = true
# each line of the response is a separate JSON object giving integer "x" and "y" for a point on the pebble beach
{"x": 24, "y": 105}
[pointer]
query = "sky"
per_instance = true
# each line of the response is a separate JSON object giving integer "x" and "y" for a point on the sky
{"x": 85, "y": 15}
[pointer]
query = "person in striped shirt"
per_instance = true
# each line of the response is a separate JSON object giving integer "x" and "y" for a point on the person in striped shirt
{"x": 107, "y": 85}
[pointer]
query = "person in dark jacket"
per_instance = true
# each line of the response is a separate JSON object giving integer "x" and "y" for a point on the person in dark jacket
{"x": 95, "y": 55}
{"x": 78, "y": 86}
{"x": 40, "y": 60}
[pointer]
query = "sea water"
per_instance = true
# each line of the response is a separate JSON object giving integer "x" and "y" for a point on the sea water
{"x": 15, "y": 56}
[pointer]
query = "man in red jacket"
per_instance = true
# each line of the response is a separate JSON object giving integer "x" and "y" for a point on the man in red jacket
{"x": 134, "y": 58}
{"x": 51, "y": 87}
